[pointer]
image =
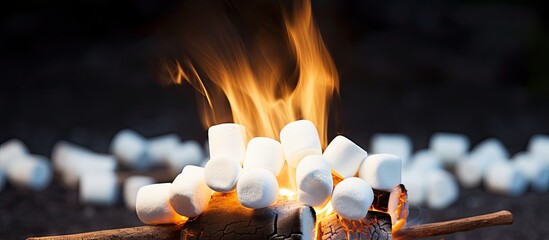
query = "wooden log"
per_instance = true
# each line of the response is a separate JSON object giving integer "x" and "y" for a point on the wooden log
{"x": 161, "y": 232}
{"x": 458, "y": 225}
{"x": 225, "y": 218}
{"x": 375, "y": 225}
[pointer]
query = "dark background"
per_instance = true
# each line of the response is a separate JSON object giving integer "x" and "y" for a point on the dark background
{"x": 82, "y": 70}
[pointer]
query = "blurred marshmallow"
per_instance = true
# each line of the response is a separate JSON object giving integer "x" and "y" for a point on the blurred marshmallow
{"x": 153, "y": 205}
{"x": 30, "y": 171}
{"x": 425, "y": 159}
{"x": 534, "y": 169}
{"x": 450, "y": 147}
{"x": 265, "y": 153}
{"x": 502, "y": 177}
{"x": 99, "y": 188}
{"x": 10, "y": 150}
{"x": 382, "y": 171}
{"x": 314, "y": 181}
{"x": 77, "y": 163}
{"x": 131, "y": 187}
{"x": 299, "y": 139}
{"x": 221, "y": 173}
{"x": 442, "y": 189}
{"x": 396, "y": 144}
{"x": 159, "y": 147}
{"x": 539, "y": 146}
{"x": 344, "y": 156}
{"x": 257, "y": 188}
{"x": 131, "y": 148}
{"x": 352, "y": 198}
{"x": 227, "y": 139}
{"x": 415, "y": 180}
{"x": 471, "y": 169}
{"x": 189, "y": 193}
{"x": 186, "y": 153}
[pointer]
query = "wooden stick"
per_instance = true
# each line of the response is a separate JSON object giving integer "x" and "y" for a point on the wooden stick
{"x": 458, "y": 225}
{"x": 162, "y": 232}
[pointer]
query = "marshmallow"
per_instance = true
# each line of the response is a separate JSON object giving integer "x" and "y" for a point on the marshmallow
{"x": 396, "y": 144}
{"x": 314, "y": 181}
{"x": 131, "y": 187}
{"x": 99, "y": 188}
{"x": 221, "y": 173}
{"x": 257, "y": 188}
{"x": 381, "y": 171}
{"x": 153, "y": 205}
{"x": 415, "y": 181}
{"x": 158, "y": 148}
{"x": 186, "y": 153}
{"x": 539, "y": 146}
{"x": 10, "y": 150}
{"x": 62, "y": 152}
{"x": 490, "y": 148}
{"x": 352, "y": 198}
{"x": 265, "y": 153}
{"x": 344, "y": 156}
{"x": 471, "y": 169}
{"x": 77, "y": 163}
{"x": 30, "y": 171}
{"x": 425, "y": 159}
{"x": 299, "y": 139}
{"x": 534, "y": 169}
{"x": 131, "y": 148}
{"x": 189, "y": 193}
{"x": 450, "y": 147}
{"x": 503, "y": 178}
{"x": 227, "y": 139}
{"x": 442, "y": 189}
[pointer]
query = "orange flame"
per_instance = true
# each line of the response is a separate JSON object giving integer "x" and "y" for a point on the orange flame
{"x": 250, "y": 76}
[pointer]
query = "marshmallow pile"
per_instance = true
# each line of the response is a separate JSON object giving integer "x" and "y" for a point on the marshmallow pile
{"x": 22, "y": 169}
{"x": 433, "y": 175}
{"x": 251, "y": 170}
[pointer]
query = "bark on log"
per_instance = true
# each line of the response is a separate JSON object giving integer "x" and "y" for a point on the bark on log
{"x": 375, "y": 225}
{"x": 161, "y": 232}
{"x": 225, "y": 218}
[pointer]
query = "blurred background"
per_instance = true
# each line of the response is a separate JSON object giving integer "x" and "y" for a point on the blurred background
{"x": 82, "y": 70}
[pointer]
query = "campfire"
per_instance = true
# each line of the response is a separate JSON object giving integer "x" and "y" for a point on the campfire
{"x": 272, "y": 172}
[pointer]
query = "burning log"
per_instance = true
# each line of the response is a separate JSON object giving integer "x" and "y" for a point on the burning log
{"x": 226, "y": 218}
{"x": 375, "y": 225}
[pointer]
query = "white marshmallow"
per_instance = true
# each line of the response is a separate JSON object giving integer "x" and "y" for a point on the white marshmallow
{"x": 221, "y": 173}
{"x": 63, "y": 152}
{"x": 450, "y": 147}
{"x": 471, "y": 169}
{"x": 539, "y": 146}
{"x": 189, "y": 193}
{"x": 30, "y": 171}
{"x": 442, "y": 189}
{"x": 382, "y": 171}
{"x": 131, "y": 148}
{"x": 10, "y": 150}
{"x": 534, "y": 169}
{"x": 257, "y": 188}
{"x": 265, "y": 153}
{"x": 425, "y": 159}
{"x": 396, "y": 144}
{"x": 314, "y": 181}
{"x": 503, "y": 178}
{"x": 158, "y": 148}
{"x": 131, "y": 187}
{"x": 99, "y": 188}
{"x": 344, "y": 156}
{"x": 299, "y": 139}
{"x": 352, "y": 198}
{"x": 490, "y": 148}
{"x": 153, "y": 205}
{"x": 227, "y": 139}
{"x": 415, "y": 180}
{"x": 186, "y": 153}
{"x": 77, "y": 163}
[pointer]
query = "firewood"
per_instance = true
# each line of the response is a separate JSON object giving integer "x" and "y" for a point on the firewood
{"x": 225, "y": 218}
{"x": 375, "y": 225}
{"x": 160, "y": 232}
